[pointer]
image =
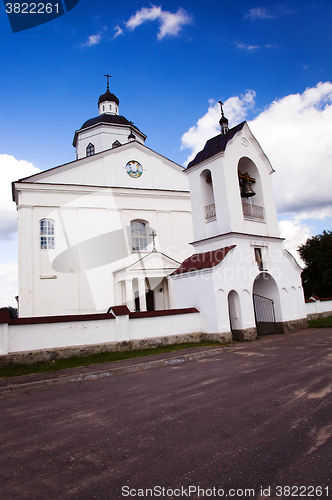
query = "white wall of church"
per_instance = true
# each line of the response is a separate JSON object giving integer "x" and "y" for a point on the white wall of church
{"x": 92, "y": 241}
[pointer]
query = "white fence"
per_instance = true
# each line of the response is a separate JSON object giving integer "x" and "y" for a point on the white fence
{"x": 316, "y": 307}
{"x": 34, "y": 334}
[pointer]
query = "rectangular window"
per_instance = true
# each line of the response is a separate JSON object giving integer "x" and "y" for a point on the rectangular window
{"x": 258, "y": 258}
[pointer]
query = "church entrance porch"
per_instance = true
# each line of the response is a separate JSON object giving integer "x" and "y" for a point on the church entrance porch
{"x": 145, "y": 284}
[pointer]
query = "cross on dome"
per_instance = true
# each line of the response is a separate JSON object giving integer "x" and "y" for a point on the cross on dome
{"x": 108, "y": 76}
{"x": 108, "y": 103}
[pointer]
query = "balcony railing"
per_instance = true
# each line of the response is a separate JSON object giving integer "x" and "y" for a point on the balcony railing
{"x": 210, "y": 212}
{"x": 252, "y": 212}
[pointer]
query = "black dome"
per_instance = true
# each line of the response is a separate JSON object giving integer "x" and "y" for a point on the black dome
{"x": 106, "y": 118}
{"x": 108, "y": 97}
{"x": 223, "y": 119}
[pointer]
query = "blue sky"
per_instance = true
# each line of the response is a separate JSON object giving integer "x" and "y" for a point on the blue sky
{"x": 170, "y": 62}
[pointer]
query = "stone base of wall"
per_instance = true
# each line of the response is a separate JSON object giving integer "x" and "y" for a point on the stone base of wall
{"x": 319, "y": 315}
{"x": 247, "y": 334}
{"x": 224, "y": 337}
{"x": 292, "y": 326}
{"x": 29, "y": 357}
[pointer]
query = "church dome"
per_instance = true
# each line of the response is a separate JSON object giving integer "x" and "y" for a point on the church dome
{"x": 108, "y": 96}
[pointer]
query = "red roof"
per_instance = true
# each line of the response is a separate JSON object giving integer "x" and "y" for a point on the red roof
{"x": 203, "y": 260}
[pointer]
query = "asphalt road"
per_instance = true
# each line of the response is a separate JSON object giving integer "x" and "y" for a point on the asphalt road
{"x": 230, "y": 424}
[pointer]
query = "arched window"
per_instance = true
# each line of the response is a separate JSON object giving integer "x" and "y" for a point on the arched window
{"x": 138, "y": 235}
{"x": 208, "y": 195}
{"x": 46, "y": 233}
{"x": 90, "y": 150}
{"x": 250, "y": 182}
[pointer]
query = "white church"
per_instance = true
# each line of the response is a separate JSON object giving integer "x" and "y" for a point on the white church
{"x": 123, "y": 225}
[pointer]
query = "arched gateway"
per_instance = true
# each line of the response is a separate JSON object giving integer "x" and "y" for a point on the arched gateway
{"x": 266, "y": 301}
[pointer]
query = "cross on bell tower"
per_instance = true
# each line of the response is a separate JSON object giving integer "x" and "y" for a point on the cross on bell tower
{"x": 223, "y": 122}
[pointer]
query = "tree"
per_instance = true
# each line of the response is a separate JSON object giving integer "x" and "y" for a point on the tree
{"x": 317, "y": 275}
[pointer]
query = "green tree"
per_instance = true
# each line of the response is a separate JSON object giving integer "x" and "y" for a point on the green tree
{"x": 317, "y": 275}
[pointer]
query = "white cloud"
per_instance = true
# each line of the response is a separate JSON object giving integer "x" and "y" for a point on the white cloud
{"x": 296, "y": 134}
{"x": 295, "y": 234}
{"x": 235, "y": 108}
{"x": 8, "y": 284}
{"x": 244, "y": 46}
{"x": 259, "y": 13}
{"x": 118, "y": 31}
{"x": 170, "y": 23}
{"x": 92, "y": 40}
{"x": 11, "y": 170}
{"x": 263, "y": 13}
{"x": 253, "y": 48}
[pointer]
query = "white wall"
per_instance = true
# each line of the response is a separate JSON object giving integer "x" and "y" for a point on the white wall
{"x": 209, "y": 290}
{"x": 92, "y": 229}
{"x": 30, "y": 337}
{"x": 318, "y": 306}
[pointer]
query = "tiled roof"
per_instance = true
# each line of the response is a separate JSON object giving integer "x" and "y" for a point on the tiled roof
{"x": 204, "y": 260}
{"x": 215, "y": 145}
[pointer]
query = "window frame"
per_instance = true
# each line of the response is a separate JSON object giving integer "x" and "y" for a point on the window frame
{"x": 46, "y": 234}
{"x": 139, "y": 242}
{"x": 90, "y": 149}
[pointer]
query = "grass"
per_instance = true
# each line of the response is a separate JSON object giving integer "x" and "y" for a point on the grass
{"x": 321, "y": 322}
{"x": 16, "y": 370}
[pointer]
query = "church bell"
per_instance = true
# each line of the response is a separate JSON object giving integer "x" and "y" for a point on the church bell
{"x": 247, "y": 191}
{"x": 245, "y": 183}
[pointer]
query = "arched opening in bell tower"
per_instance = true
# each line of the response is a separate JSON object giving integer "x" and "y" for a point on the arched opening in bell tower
{"x": 251, "y": 190}
{"x": 208, "y": 195}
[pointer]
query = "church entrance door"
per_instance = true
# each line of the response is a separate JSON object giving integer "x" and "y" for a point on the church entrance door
{"x": 150, "y": 300}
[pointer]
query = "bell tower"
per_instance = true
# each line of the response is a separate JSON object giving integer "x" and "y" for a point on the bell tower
{"x": 231, "y": 189}
{"x": 239, "y": 278}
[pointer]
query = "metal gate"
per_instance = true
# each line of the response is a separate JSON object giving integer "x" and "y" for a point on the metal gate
{"x": 264, "y": 315}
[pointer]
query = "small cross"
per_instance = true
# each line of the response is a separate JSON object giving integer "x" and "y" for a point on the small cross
{"x": 221, "y": 105}
{"x": 153, "y": 234}
{"x": 108, "y": 76}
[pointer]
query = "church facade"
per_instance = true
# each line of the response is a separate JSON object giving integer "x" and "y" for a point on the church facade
{"x": 106, "y": 229}
{"x": 123, "y": 225}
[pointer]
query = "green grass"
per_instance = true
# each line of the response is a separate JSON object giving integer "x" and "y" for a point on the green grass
{"x": 321, "y": 322}
{"x": 16, "y": 370}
